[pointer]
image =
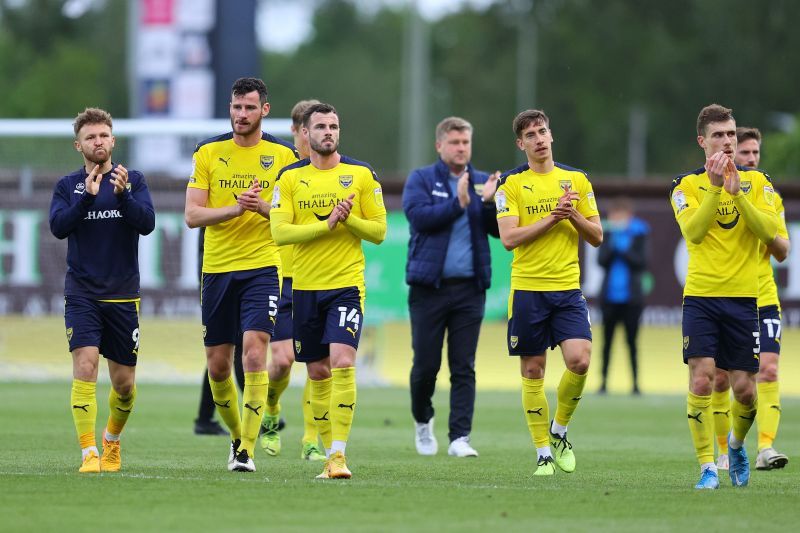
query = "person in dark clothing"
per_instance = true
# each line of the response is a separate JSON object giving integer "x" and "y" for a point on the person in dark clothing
{"x": 623, "y": 255}
{"x": 450, "y": 208}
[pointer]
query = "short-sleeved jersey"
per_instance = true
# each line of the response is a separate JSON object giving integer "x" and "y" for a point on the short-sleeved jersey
{"x": 549, "y": 263}
{"x": 767, "y": 289}
{"x": 287, "y": 260}
{"x": 225, "y": 170}
{"x": 726, "y": 262}
{"x": 334, "y": 260}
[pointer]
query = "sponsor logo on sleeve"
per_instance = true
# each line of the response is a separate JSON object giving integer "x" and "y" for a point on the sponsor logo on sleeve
{"x": 378, "y": 193}
{"x": 276, "y": 197}
{"x": 500, "y": 201}
{"x": 769, "y": 195}
{"x": 679, "y": 199}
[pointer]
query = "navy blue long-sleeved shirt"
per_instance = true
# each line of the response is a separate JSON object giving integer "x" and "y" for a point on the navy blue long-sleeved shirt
{"x": 103, "y": 234}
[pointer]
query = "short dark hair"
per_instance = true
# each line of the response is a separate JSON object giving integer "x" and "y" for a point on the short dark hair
{"x": 528, "y": 117}
{"x": 317, "y": 108}
{"x": 744, "y": 134}
{"x": 91, "y": 115}
{"x": 242, "y": 86}
{"x": 300, "y": 108}
{"x": 712, "y": 113}
{"x": 452, "y": 124}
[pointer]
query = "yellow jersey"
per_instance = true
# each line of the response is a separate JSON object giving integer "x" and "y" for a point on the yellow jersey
{"x": 287, "y": 260}
{"x": 225, "y": 169}
{"x": 549, "y": 263}
{"x": 726, "y": 262}
{"x": 334, "y": 260}
{"x": 767, "y": 289}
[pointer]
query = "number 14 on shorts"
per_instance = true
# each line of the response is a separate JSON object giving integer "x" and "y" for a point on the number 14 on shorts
{"x": 349, "y": 318}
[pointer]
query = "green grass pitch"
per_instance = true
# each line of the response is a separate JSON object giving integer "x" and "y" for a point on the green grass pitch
{"x": 636, "y": 465}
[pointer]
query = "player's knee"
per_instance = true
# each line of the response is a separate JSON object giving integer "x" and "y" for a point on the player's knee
{"x": 318, "y": 372}
{"x": 768, "y": 373}
{"x": 579, "y": 365}
{"x": 701, "y": 385}
{"x": 721, "y": 381}
{"x": 124, "y": 389}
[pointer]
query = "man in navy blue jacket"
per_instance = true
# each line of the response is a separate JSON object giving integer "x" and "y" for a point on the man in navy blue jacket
{"x": 101, "y": 209}
{"x": 450, "y": 208}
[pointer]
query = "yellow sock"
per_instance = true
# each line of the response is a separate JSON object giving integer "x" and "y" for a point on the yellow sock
{"x": 119, "y": 409}
{"x": 698, "y": 409}
{"x": 742, "y": 418}
{"x": 310, "y": 433}
{"x": 320, "y": 405}
{"x": 769, "y": 413}
{"x": 721, "y": 407}
{"x": 570, "y": 390}
{"x": 274, "y": 392}
{"x": 254, "y": 398}
{"x": 84, "y": 411}
{"x": 537, "y": 411}
{"x": 226, "y": 398}
{"x": 343, "y": 402}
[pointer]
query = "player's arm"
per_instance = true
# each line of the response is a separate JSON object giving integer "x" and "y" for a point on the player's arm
{"x": 696, "y": 221}
{"x": 590, "y": 229}
{"x": 762, "y": 222}
{"x": 371, "y": 226}
{"x": 779, "y": 248}
{"x": 65, "y": 216}
{"x": 284, "y": 232}
{"x": 422, "y": 213}
{"x": 198, "y": 215}
{"x": 136, "y": 206}
{"x": 512, "y": 235}
{"x": 372, "y": 229}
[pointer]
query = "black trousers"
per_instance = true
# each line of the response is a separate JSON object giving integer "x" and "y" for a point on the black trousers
{"x": 457, "y": 307}
{"x": 629, "y": 315}
{"x": 206, "y": 410}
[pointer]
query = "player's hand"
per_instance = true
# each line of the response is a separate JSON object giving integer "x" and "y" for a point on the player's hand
{"x": 333, "y": 218}
{"x": 716, "y": 168}
{"x": 93, "y": 181}
{"x": 119, "y": 177}
{"x": 250, "y": 200}
{"x": 490, "y": 187}
{"x": 344, "y": 207}
{"x": 564, "y": 209}
{"x": 462, "y": 190}
{"x": 732, "y": 180}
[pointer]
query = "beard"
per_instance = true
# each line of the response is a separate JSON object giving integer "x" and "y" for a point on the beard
{"x": 96, "y": 159}
{"x": 322, "y": 149}
{"x": 251, "y": 128}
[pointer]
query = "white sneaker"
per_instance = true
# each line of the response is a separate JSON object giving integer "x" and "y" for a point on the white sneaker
{"x": 769, "y": 459}
{"x": 461, "y": 448}
{"x": 232, "y": 456}
{"x": 243, "y": 462}
{"x": 722, "y": 462}
{"x": 425, "y": 439}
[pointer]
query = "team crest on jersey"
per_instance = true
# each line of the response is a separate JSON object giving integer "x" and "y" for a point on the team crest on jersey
{"x": 79, "y": 188}
{"x": 514, "y": 341}
{"x": 746, "y": 186}
{"x": 204, "y": 332}
{"x": 345, "y": 181}
{"x": 267, "y": 161}
{"x": 297, "y": 346}
{"x": 686, "y": 342}
{"x": 128, "y": 186}
{"x": 565, "y": 185}
{"x": 69, "y": 334}
{"x": 478, "y": 188}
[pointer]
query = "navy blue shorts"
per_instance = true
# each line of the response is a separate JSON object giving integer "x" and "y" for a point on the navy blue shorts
{"x": 113, "y": 327}
{"x": 542, "y": 319}
{"x": 322, "y": 317}
{"x": 283, "y": 325}
{"x": 769, "y": 318}
{"x": 234, "y": 302}
{"x": 723, "y": 328}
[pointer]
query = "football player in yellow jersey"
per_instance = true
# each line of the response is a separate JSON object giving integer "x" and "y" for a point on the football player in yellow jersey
{"x": 326, "y": 206}
{"x": 543, "y": 209}
{"x": 748, "y": 154}
{"x": 280, "y": 364}
{"x": 232, "y": 176}
{"x": 725, "y": 213}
